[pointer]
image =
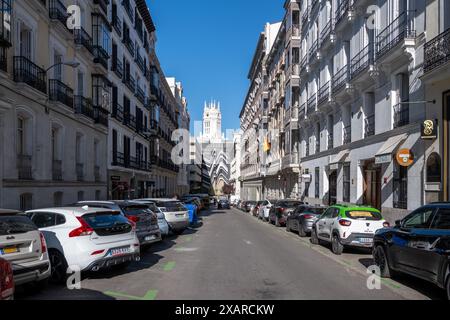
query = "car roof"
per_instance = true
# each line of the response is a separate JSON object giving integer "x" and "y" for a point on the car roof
{"x": 158, "y": 200}
{"x": 9, "y": 212}
{"x": 77, "y": 211}
{"x": 354, "y": 207}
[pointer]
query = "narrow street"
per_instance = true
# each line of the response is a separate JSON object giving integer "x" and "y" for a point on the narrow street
{"x": 235, "y": 256}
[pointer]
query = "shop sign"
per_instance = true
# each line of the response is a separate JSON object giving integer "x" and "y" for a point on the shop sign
{"x": 334, "y": 166}
{"x": 384, "y": 158}
{"x": 115, "y": 178}
{"x": 306, "y": 178}
{"x": 429, "y": 129}
{"x": 405, "y": 157}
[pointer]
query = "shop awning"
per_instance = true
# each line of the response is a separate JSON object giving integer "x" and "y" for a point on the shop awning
{"x": 340, "y": 157}
{"x": 391, "y": 145}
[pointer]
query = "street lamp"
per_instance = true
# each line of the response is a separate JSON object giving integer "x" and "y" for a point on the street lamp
{"x": 72, "y": 64}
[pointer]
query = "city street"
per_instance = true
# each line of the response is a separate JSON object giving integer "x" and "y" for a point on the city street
{"x": 235, "y": 256}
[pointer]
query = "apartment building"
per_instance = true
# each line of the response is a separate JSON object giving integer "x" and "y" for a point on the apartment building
{"x": 235, "y": 165}
{"x": 436, "y": 77}
{"x": 53, "y": 115}
{"x": 195, "y": 167}
{"x": 254, "y": 121}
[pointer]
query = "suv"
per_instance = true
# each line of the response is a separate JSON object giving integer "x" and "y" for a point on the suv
{"x": 88, "y": 238}
{"x": 264, "y": 209}
{"x": 303, "y": 218}
{"x": 281, "y": 209}
{"x": 418, "y": 245}
{"x": 352, "y": 226}
{"x": 146, "y": 221}
{"x": 24, "y": 247}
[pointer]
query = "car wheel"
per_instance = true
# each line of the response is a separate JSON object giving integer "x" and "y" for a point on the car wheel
{"x": 336, "y": 246}
{"x": 58, "y": 266}
{"x": 301, "y": 231}
{"x": 381, "y": 261}
{"x": 178, "y": 232}
{"x": 314, "y": 237}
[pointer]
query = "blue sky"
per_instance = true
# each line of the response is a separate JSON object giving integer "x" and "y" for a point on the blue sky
{"x": 208, "y": 45}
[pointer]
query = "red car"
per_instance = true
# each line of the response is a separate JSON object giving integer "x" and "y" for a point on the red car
{"x": 6, "y": 280}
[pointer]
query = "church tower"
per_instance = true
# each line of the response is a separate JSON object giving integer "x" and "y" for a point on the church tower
{"x": 212, "y": 122}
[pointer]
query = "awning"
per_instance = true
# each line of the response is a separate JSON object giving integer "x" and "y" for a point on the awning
{"x": 391, "y": 145}
{"x": 340, "y": 157}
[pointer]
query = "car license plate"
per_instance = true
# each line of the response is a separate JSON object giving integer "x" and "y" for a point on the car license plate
{"x": 119, "y": 251}
{"x": 9, "y": 250}
{"x": 150, "y": 238}
{"x": 180, "y": 215}
{"x": 366, "y": 240}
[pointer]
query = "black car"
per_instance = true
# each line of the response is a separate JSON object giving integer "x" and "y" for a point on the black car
{"x": 281, "y": 209}
{"x": 224, "y": 204}
{"x": 303, "y": 218}
{"x": 418, "y": 245}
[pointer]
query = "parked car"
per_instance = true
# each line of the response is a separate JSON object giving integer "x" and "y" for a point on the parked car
{"x": 146, "y": 221}
{"x": 280, "y": 210}
{"x": 162, "y": 223}
{"x": 352, "y": 226}
{"x": 176, "y": 213}
{"x": 264, "y": 209}
{"x": 242, "y": 205}
{"x": 418, "y": 245}
{"x": 303, "y": 218}
{"x": 249, "y": 206}
{"x": 25, "y": 248}
{"x": 6, "y": 280}
{"x": 224, "y": 204}
{"x": 87, "y": 237}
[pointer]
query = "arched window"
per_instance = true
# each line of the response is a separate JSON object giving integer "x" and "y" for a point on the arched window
{"x": 434, "y": 168}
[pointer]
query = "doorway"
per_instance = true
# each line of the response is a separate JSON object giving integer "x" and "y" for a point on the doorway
{"x": 372, "y": 185}
{"x": 333, "y": 188}
{"x": 446, "y": 144}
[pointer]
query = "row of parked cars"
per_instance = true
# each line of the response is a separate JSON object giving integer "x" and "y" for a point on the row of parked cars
{"x": 418, "y": 245}
{"x": 43, "y": 245}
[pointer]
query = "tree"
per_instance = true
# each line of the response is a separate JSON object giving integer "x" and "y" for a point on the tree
{"x": 228, "y": 189}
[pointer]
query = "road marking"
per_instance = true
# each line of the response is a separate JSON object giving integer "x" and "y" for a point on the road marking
{"x": 169, "y": 266}
{"x": 188, "y": 239}
{"x": 247, "y": 242}
{"x": 186, "y": 249}
{"x": 149, "y": 296}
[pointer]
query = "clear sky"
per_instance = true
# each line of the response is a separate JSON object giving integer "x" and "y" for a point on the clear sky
{"x": 208, "y": 45}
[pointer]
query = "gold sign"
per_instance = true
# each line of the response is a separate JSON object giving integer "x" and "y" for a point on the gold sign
{"x": 429, "y": 129}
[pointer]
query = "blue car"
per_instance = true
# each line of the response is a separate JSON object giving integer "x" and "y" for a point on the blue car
{"x": 192, "y": 208}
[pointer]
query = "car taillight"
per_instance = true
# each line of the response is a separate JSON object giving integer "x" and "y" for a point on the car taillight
{"x": 345, "y": 223}
{"x": 308, "y": 216}
{"x": 97, "y": 252}
{"x": 84, "y": 230}
{"x": 133, "y": 219}
{"x": 6, "y": 280}
{"x": 386, "y": 224}
{"x": 281, "y": 210}
{"x": 43, "y": 243}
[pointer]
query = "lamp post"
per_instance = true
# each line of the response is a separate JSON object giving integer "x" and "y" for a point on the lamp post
{"x": 72, "y": 64}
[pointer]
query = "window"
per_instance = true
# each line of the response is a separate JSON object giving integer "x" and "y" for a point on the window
{"x": 78, "y": 145}
{"x": 25, "y": 46}
{"x": 317, "y": 183}
{"x": 80, "y": 196}
{"x": 346, "y": 181}
{"x": 20, "y": 136}
{"x": 420, "y": 219}
{"x": 57, "y": 199}
{"x": 98, "y": 195}
{"x": 400, "y": 187}
{"x": 47, "y": 219}
{"x": 57, "y": 72}
{"x": 434, "y": 168}
{"x": 307, "y": 185}
{"x": 442, "y": 220}
{"x": 26, "y": 202}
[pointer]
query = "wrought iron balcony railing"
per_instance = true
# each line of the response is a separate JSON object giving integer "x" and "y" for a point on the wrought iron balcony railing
{"x": 401, "y": 114}
{"x": 117, "y": 112}
{"x": 324, "y": 93}
{"x": 342, "y": 10}
{"x": 362, "y": 60}
{"x": 129, "y": 45}
{"x": 101, "y": 116}
{"x": 131, "y": 83}
{"x": 117, "y": 24}
{"x": 326, "y": 32}
{"x": 103, "y": 5}
{"x": 402, "y": 27}
{"x": 127, "y": 6}
{"x": 312, "y": 104}
{"x": 140, "y": 62}
{"x": 27, "y": 72}
{"x": 83, "y": 106}
{"x": 117, "y": 67}
{"x": 340, "y": 79}
{"x": 140, "y": 95}
{"x": 347, "y": 134}
{"x": 101, "y": 56}
{"x": 58, "y": 91}
{"x": 57, "y": 11}
{"x": 369, "y": 126}
{"x": 5, "y": 23}
{"x": 313, "y": 50}
{"x": 24, "y": 167}
{"x": 82, "y": 38}
{"x": 437, "y": 51}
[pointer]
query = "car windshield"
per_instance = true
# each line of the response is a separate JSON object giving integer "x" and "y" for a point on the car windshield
{"x": 364, "y": 215}
{"x": 314, "y": 211}
{"x": 171, "y": 206}
{"x": 134, "y": 210}
{"x": 102, "y": 220}
{"x": 15, "y": 225}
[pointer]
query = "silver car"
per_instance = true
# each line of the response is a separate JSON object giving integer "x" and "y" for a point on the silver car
{"x": 24, "y": 247}
{"x": 162, "y": 223}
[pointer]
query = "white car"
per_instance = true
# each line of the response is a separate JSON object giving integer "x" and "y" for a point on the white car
{"x": 89, "y": 239}
{"x": 351, "y": 226}
{"x": 162, "y": 223}
{"x": 176, "y": 214}
{"x": 264, "y": 209}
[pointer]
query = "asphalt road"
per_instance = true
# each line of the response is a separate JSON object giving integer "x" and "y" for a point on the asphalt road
{"x": 235, "y": 256}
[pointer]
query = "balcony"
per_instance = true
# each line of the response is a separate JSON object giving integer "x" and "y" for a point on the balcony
{"x": 294, "y": 31}
{"x": 130, "y": 121}
{"x": 342, "y": 11}
{"x": 324, "y": 94}
{"x": 131, "y": 83}
{"x": 24, "y": 167}
{"x": 83, "y": 106}
{"x": 400, "y": 29}
{"x": 330, "y": 141}
{"x": 303, "y": 63}
{"x": 101, "y": 116}
{"x": 127, "y": 6}
{"x": 139, "y": 164}
{"x": 325, "y": 33}
{"x": 27, "y": 72}
{"x": 140, "y": 62}
{"x": 103, "y": 5}
{"x": 369, "y": 126}
{"x": 401, "y": 115}
{"x": 80, "y": 171}
{"x": 129, "y": 45}
{"x": 117, "y": 25}
{"x": 340, "y": 79}
{"x": 362, "y": 61}
{"x": 5, "y": 23}
{"x": 302, "y": 112}
{"x": 305, "y": 17}
{"x": 290, "y": 161}
{"x": 117, "y": 112}
{"x": 117, "y": 67}
{"x": 57, "y": 11}
{"x": 82, "y": 38}
{"x": 437, "y": 52}
{"x": 57, "y": 170}
{"x": 313, "y": 51}
{"x": 312, "y": 104}
{"x": 60, "y": 92}
{"x": 3, "y": 59}
{"x": 101, "y": 56}
{"x": 140, "y": 95}
{"x": 347, "y": 135}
